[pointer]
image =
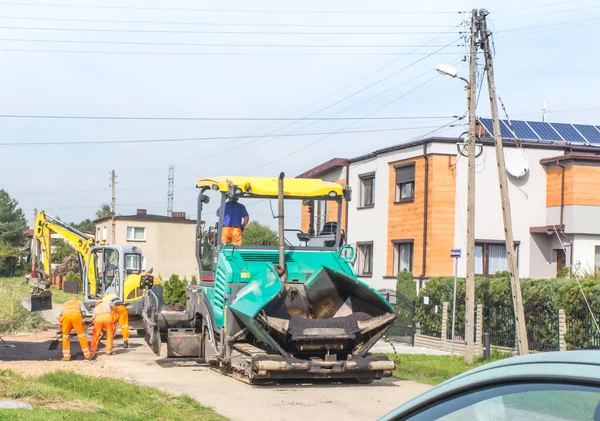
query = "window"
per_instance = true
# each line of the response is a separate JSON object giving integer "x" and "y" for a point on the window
{"x": 104, "y": 233}
{"x": 367, "y": 190}
{"x": 491, "y": 258}
{"x": 136, "y": 234}
{"x": 526, "y": 401}
{"x": 133, "y": 263}
{"x": 403, "y": 256}
{"x": 597, "y": 260}
{"x": 365, "y": 259}
{"x": 405, "y": 182}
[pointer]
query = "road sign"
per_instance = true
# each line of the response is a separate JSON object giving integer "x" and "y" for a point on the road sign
{"x": 455, "y": 253}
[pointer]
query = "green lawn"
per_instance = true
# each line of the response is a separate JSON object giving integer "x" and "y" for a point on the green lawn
{"x": 19, "y": 284}
{"x": 69, "y": 396}
{"x": 434, "y": 369}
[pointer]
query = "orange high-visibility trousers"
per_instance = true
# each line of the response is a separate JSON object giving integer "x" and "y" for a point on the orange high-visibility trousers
{"x": 103, "y": 322}
{"x": 73, "y": 322}
{"x": 232, "y": 235}
{"x": 123, "y": 322}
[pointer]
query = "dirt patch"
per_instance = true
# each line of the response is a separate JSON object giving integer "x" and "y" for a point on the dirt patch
{"x": 72, "y": 405}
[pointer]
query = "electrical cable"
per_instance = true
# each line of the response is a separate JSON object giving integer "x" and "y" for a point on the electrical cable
{"x": 228, "y": 10}
{"x": 269, "y": 25}
{"x": 173, "y": 140}
{"x": 99, "y": 117}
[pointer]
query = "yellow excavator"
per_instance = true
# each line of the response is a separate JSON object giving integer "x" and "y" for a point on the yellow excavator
{"x": 104, "y": 268}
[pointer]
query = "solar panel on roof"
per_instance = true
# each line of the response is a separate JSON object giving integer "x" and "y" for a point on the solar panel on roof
{"x": 487, "y": 123}
{"x": 505, "y": 131}
{"x": 568, "y": 132}
{"x": 544, "y": 130}
{"x": 522, "y": 130}
{"x": 591, "y": 134}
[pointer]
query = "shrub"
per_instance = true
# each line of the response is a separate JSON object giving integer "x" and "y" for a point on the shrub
{"x": 563, "y": 272}
{"x": 13, "y": 316}
{"x": 174, "y": 290}
{"x": 194, "y": 280}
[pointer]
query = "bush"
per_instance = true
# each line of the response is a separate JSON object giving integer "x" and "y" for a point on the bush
{"x": 174, "y": 290}
{"x": 13, "y": 316}
{"x": 75, "y": 277}
{"x": 194, "y": 280}
{"x": 563, "y": 272}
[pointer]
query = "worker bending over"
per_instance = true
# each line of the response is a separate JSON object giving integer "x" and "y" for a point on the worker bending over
{"x": 122, "y": 316}
{"x": 235, "y": 219}
{"x": 71, "y": 317}
{"x": 104, "y": 318}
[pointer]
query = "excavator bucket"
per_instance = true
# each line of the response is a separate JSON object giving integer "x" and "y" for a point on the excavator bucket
{"x": 38, "y": 302}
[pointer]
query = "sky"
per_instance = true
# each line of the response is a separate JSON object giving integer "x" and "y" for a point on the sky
{"x": 361, "y": 61}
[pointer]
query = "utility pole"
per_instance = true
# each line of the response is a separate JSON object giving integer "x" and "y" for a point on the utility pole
{"x": 113, "y": 208}
{"x": 522, "y": 342}
{"x": 171, "y": 190}
{"x": 470, "y": 292}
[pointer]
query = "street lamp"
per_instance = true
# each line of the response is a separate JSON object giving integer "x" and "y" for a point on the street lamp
{"x": 447, "y": 70}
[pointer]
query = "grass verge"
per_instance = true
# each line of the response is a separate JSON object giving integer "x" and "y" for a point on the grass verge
{"x": 435, "y": 369}
{"x": 69, "y": 396}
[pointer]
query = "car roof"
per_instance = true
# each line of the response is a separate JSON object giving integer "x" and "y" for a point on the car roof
{"x": 564, "y": 365}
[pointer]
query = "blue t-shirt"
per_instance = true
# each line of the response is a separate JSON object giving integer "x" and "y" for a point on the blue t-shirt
{"x": 234, "y": 213}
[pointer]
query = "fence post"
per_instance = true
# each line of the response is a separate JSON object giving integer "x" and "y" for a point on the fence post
{"x": 479, "y": 330}
{"x": 444, "y": 333}
{"x": 562, "y": 330}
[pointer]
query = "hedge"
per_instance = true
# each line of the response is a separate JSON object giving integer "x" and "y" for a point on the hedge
{"x": 542, "y": 298}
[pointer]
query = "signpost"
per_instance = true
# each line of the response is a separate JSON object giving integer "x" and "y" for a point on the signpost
{"x": 455, "y": 254}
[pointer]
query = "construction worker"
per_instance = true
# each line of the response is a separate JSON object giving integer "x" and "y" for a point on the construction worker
{"x": 235, "y": 219}
{"x": 122, "y": 316}
{"x": 104, "y": 318}
{"x": 71, "y": 317}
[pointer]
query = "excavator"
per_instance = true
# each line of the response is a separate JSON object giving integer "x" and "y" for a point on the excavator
{"x": 103, "y": 268}
{"x": 267, "y": 313}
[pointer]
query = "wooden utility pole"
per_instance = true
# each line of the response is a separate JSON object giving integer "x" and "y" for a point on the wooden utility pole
{"x": 113, "y": 208}
{"x": 470, "y": 293}
{"x": 522, "y": 342}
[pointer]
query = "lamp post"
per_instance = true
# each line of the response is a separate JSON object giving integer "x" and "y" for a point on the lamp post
{"x": 448, "y": 70}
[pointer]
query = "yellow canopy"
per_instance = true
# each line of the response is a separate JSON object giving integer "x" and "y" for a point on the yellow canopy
{"x": 267, "y": 187}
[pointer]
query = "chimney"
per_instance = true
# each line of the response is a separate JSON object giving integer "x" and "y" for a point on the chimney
{"x": 178, "y": 215}
{"x": 141, "y": 211}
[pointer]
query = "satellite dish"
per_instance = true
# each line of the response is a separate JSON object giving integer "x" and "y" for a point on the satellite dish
{"x": 517, "y": 164}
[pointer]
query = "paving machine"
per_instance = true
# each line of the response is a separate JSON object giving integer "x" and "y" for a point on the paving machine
{"x": 265, "y": 313}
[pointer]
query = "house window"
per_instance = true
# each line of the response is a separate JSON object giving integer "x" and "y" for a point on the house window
{"x": 491, "y": 258}
{"x": 136, "y": 234}
{"x": 597, "y": 260}
{"x": 365, "y": 259}
{"x": 104, "y": 230}
{"x": 403, "y": 256}
{"x": 367, "y": 190}
{"x": 405, "y": 182}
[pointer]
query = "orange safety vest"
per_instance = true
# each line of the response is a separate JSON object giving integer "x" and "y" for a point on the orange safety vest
{"x": 102, "y": 307}
{"x": 71, "y": 308}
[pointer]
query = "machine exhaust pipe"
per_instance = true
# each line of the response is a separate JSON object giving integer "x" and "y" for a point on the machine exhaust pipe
{"x": 282, "y": 269}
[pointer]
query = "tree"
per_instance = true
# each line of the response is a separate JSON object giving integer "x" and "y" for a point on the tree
{"x": 86, "y": 225}
{"x": 12, "y": 225}
{"x": 61, "y": 250}
{"x": 255, "y": 234}
{"x": 105, "y": 211}
{"x": 12, "y": 221}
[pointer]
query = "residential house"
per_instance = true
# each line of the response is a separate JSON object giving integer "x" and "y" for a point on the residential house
{"x": 409, "y": 207}
{"x": 167, "y": 242}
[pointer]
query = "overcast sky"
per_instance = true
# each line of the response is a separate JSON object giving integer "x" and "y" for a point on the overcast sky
{"x": 545, "y": 51}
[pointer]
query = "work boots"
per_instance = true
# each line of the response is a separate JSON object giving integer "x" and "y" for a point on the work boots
{"x": 125, "y": 344}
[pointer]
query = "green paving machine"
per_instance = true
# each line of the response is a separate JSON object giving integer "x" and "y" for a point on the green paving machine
{"x": 276, "y": 311}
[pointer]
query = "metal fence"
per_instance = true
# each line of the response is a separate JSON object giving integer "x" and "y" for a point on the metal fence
{"x": 581, "y": 330}
{"x": 403, "y": 328}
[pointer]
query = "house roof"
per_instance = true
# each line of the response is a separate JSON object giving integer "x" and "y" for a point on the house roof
{"x": 149, "y": 218}
{"x": 324, "y": 167}
{"x": 573, "y": 157}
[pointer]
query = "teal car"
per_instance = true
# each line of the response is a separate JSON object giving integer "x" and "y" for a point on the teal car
{"x": 549, "y": 386}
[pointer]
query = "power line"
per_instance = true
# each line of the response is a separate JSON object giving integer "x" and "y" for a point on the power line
{"x": 170, "y": 53}
{"x": 269, "y": 25}
{"x": 185, "y": 44}
{"x": 551, "y": 25}
{"x": 518, "y": 9}
{"x": 173, "y": 140}
{"x": 167, "y": 31}
{"x": 546, "y": 13}
{"x": 98, "y": 117}
{"x": 87, "y": 6}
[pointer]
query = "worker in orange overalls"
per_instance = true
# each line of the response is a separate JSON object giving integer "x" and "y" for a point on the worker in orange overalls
{"x": 104, "y": 318}
{"x": 123, "y": 316}
{"x": 71, "y": 317}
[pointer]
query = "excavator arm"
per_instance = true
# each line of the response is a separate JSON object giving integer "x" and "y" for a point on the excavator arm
{"x": 42, "y": 257}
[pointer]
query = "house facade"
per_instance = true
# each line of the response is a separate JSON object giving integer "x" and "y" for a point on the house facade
{"x": 409, "y": 209}
{"x": 167, "y": 243}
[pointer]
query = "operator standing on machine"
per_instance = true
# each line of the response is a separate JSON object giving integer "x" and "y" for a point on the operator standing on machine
{"x": 235, "y": 219}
